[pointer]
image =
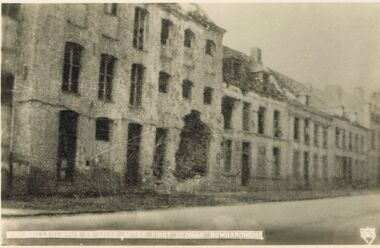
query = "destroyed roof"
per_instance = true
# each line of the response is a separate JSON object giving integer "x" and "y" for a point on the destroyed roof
{"x": 192, "y": 12}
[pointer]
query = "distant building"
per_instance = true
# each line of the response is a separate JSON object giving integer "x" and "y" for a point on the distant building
{"x": 109, "y": 98}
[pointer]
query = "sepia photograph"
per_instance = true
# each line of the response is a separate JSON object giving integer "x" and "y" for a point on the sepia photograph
{"x": 190, "y": 123}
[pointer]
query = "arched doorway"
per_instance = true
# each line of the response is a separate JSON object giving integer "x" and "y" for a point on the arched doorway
{"x": 192, "y": 154}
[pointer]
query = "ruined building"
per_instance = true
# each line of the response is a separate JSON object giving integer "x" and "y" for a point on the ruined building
{"x": 109, "y": 98}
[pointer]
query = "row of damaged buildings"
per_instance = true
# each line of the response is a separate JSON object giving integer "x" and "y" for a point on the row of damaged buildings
{"x": 112, "y": 98}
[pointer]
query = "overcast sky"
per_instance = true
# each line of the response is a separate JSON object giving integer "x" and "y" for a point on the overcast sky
{"x": 316, "y": 43}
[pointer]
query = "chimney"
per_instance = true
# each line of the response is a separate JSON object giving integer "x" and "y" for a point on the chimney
{"x": 256, "y": 55}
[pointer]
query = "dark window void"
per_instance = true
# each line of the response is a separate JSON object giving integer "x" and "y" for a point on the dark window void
{"x": 71, "y": 67}
{"x": 210, "y": 47}
{"x": 276, "y": 124}
{"x": 245, "y": 163}
{"x": 7, "y": 81}
{"x": 261, "y": 120}
{"x": 166, "y": 25}
{"x": 296, "y": 131}
{"x": 103, "y": 127}
{"x": 325, "y": 137}
{"x": 227, "y": 108}
{"x": 10, "y": 9}
{"x": 306, "y": 132}
{"x": 186, "y": 89}
{"x": 159, "y": 154}
{"x": 227, "y": 155}
{"x": 231, "y": 69}
{"x": 67, "y": 145}
{"x": 139, "y": 28}
{"x": 189, "y": 38}
{"x": 107, "y": 63}
{"x": 132, "y": 176}
{"x": 192, "y": 154}
{"x": 306, "y": 169}
{"x": 316, "y": 134}
{"x": 137, "y": 80}
{"x": 276, "y": 162}
{"x": 296, "y": 164}
{"x": 163, "y": 82}
{"x": 246, "y": 115}
{"x": 207, "y": 95}
{"x": 337, "y": 134}
{"x": 110, "y": 8}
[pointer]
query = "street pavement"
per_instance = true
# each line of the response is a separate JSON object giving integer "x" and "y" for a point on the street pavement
{"x": 324, "y": 221}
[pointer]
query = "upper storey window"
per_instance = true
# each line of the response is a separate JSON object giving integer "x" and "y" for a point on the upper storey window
{"x": 210, "y": 47}
{"x": 166, "y": 25}
{"x": 231, "y": 69}
{"x": 10, "y": 9}
{"x": 139, "y": 28}
{"x": 71, "y": 67}
{"x": 110, "y": 8}
{"x": 107, "y": 63}
{"x": 189, "y": 38}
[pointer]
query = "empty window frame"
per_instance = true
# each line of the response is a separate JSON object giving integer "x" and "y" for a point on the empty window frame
{"x": 344, "y": 142}
{"x": 103, "y": 127}
{"x": 246, "y": 115}
{"x": 189, "y": 38}
{"x": 276, "y": 124}
{"x": 207, "y": 95}
{"x": 316, "y": 166}
{"x": 325, "y": 168}
{"x": 356, "y": 143}
{"x": 163, "y": 82}
{"x": 231, "y": 69}
{"x": 227, "y": 109}
{"x": 137, "y": 80}
{"x": 316, "y": 134}
{"x": 107, "y": 63}
{"x": 139, "y": 28}
{"x": 337, "y": 137}
{"x": 160, "y": 151}
{"x": 261, "y": 120}
{"x": 7, "y": 82}
{"x": 227, "y": 155}
{"x": 261, "y": 161}
{"x": 325, "y": 137}
{"x": 210, "y": 47}
{"x": 166, "y": 25}
{"x": 296, "y": 164}
{"x": 276, "y": 162}
{"x": 71, "y": 67}
{"x": 10, "y": 9}
{"x": 186, "y": 89}
{"x": 110, "y": 8}
{"x": 296, "y": 129}
{"x": 306, "y": 132}
{"x": 350, "y": 138}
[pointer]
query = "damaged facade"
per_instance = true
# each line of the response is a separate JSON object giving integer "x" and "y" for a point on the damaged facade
{"x": 108, "y": 98}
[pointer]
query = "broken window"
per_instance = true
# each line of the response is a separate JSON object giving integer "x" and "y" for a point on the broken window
{"x": 132, "y": 175}
{"x": 110, "y": 8}
{"x": 165, "y": 30}
{"x": 163, "y": 82}
{"x": 245, "y": 163}
{"x": 350, "y": 141}
{"x": 231, "y": 69}
{"x": 276, "y": 162}
{"x": 344, "y": 139}
{"x": 261, "y": 120}
{"x": 207, "y": 95}
{"x": 210, "y": 47}
{"x": 10, "y": 9}
{"x": 71, "y": 67}
{"x": 306, "y": 132}
{"x": 227, "y": 108}
{"x": 227, "y": 155}
{"x": 316, "y": 134}
{"x": 186, "y": 89}
{"x": 325, "y": 137}
{"x": 246, "y": 115}
{"x": 325, "y": 167}
{"x": 296, "y": 128}
{"x": 139, "y": 28}
{"x": 103, "y": 126}
{"x": 296, "y": 164}
{"x": 315, "y": 166}
{"x": 159, "y": 155}
{"x": 189, "y": 38}
{"x": 261, "y": 161}
{"x": 337, "y": 135}
{"x": 276, "y": 124}
{"x": 137, "y": 79}
{"x": 7, "y": 80}
{"x": 107, "y": 63}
